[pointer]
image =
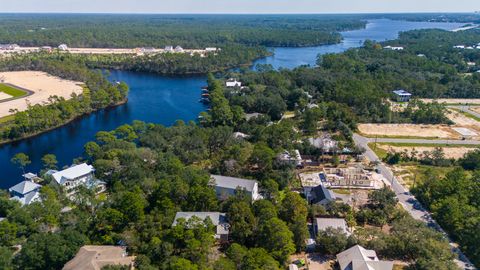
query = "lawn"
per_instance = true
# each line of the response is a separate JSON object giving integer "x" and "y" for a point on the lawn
{"x": 12, "y": 91}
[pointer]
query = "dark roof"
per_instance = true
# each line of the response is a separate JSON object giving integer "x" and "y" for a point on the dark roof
{"x": 320, "y": 193}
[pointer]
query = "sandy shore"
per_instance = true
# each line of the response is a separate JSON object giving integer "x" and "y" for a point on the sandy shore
{"x": 42, "y": 84}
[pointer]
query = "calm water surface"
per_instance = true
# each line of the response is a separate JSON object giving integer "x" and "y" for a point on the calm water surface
{"x": 163, "y": 100}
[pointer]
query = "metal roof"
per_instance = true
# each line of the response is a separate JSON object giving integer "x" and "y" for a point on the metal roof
{"x": 233, "y": 182}
{"x": 73, "y": 172}
{"x": 24, "y": 187}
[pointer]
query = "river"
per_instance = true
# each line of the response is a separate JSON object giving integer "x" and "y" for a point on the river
{"x": 163, "y": 100}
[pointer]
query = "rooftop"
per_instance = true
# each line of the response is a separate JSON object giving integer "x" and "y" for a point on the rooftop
{"x": 401, "y": 92}
{"x": 335, "y": 223}
{"x": 359, "y": 258}
{"x": 233, "y": 182}
{"x": 73, "y": 172}
{"x": 24, "y": 187}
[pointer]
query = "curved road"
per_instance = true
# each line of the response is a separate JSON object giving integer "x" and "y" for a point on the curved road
{"x": 407, "y": 200}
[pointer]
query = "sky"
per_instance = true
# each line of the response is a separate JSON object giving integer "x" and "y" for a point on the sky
{"x": 239, "y": 6}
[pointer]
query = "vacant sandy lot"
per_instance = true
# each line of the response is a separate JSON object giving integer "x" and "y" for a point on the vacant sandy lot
{"x": 408, "y": 130}
{"x": 453, "y": 100}
{"x": 450, "y": 152}
{"x": 475, "y": 109}
{"x": 42, "y": 84}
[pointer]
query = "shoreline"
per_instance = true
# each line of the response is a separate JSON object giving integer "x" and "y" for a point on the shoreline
{"x": 29, "y": 136}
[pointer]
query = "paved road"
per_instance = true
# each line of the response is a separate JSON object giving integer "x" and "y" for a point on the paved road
{"x": 465, "y": 108}
{"x": 423, "y": 141}
{"x": 408, "y": 201}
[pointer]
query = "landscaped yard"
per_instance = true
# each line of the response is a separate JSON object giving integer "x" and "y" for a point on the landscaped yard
{"x": 11, "y": 91}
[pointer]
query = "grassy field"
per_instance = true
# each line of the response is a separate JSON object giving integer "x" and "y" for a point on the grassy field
{"x": 12, "y": 91}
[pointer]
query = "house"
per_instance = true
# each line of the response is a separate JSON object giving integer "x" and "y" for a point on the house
{"x": 459, "y": 47}
{"x": 26, "y": 192}
{"x": 219, "y": 220}
{"x": 359, "y": 258}
{"x": 46, "y": 49}
{"x": 97, "y": 257}
{"x": 169, "y": 49}
{"x": 322, "y": 224}
{"x": 319, "y": 195}
{"x": 325, "y": 143}
{"x": 226, "y": 186}
{"x": 402, "y": 95}
{"x": 293, "y": 158}
{"x": 347, "y": 178}
{"x": 63, "y": 47}
{"x": 471, "y": 64}
{"x": 179, "y": 49}
{"x": 210, "y": 49}
{"x": 31, "y": 177}
{"x": 393, "y": 48}
{"x": 240, "y": 135}
{"x": 9, "y": 47}
{"x": 73, "y": 177}
{"x": 233, "y": 83}
{"x": 147, "y": 50}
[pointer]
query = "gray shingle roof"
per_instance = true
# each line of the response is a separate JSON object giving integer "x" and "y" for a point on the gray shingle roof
{"x": 233, "y": 182}
{"x": 24, "y": 187}
{"x": 321, "y": 193}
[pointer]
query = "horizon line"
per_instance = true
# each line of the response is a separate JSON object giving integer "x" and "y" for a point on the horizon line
{"x": 240, "y": 13}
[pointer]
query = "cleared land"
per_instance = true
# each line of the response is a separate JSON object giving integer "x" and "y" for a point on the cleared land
{"x": 450, "y": 152}
{"x": 41, "y": 84}
{"x": 408, "y": 130}
{"x": 453, "y": 100}
{"x": 10, "y": 92}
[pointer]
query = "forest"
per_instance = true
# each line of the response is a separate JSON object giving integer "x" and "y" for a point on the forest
{"x": 188, "y": 31}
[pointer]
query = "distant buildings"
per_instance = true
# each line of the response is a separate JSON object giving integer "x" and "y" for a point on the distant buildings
{"x": 322, "y": 224}
{"x": 169, "y": 49}
{"x": 73, "y": 177}
{"x": 233, "y": 83}
{"x": 97, "y": 257}
{"x": 359, "y": 258}
{"x": 226, "y": 186}
{"x": 402, "y": 95}
{"x": 219, "y": 220}
{"x": 394, "y": 48}
{"x": 26, "y": 192}
{"x": 63, "y": 47}
{"x": 210, "y": 49}
{"x": 179, "y": 49}
{"x": 351, "y": 177}
{"x": 9, "y": 47}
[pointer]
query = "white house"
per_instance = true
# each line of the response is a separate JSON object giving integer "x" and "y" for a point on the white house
{"x": 73, "y": 177}
{"x": 292, "y": 157}
{"x": 63, "y": 47}
{"x": 169, "y": 49}
{"x": 218, "y": 219}
{"x": 179, "y": 49}
{"x": 210, "y": 49}
{"x": 394, "y": 48}
{"x": 25, "y": 192}
{"x": 233, "y": 83}
{"x": 226, "y": 186}
{"x": 402, "y": 95}
{"x": 359, "y": 258}
{"x": 459, "y": 47}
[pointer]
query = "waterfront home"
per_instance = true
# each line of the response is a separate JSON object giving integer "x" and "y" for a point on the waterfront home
{"x": 219, "y": 220}
{"x": 359, "y": 258}
{"x": 63, "y": 47}
{"x": 73, "y": 177}
{"x": 97, "y": 257}
{"x": 233, "y": 83}
{"x": 26, "y": 192}
{"x": 226, "y": 186}
{"x": 322, "y": 224}
{"x": 402, "y": 95}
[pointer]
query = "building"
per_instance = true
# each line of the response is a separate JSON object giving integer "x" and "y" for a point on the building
{"x": 63, "y": 47}
{"x": 73, "y": 177}
{"x": 459, "y": 47}
{"x": 319, "y": 195}
{"x": 218, "y": 219}
{"x": 292, "y": 158}
{"x": 359, "y": 258}
{"x": 233, "y": 83}
{"x": 179, "y": 49}
{"x": 169, "y": 49}
{"x": 322, "y": 224}
{"x": 46, "y": 49}
{"x": 25, "y": 192}
{"x": 399, "y": 48}
{"x": 226, "y": 186}
{"x": 325, "y": 143}
{"x": 351, "y": 177}
{"x": 9, "y": 47}
{"x": 402, "y": 95}
{"x": 210, "y": 49}
{"x": 32, "y": 177}
{"x": 147, "y": 50}
{"x": 240, "y": 135}
{"x": 465, "y": 132}
{"x": 97, "y": 257}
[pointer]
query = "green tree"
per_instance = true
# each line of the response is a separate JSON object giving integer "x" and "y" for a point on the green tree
{"x": 49, "y": 162}
{"x": 21, "y": 160}
{"x": 276, "y": 238}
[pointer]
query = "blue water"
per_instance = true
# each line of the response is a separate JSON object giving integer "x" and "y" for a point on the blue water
{"x": 163, "y": 100}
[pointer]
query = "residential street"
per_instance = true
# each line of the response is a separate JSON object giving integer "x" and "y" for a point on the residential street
{"x": 408, "y": 201}
{"x": 466, "y": 109}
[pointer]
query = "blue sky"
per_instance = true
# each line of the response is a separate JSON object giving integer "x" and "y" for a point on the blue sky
{"x": 239, "y": 6}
